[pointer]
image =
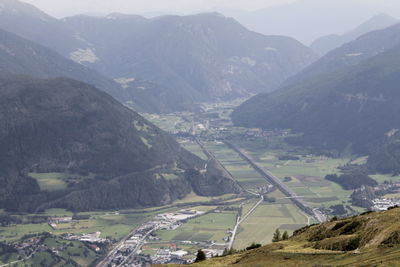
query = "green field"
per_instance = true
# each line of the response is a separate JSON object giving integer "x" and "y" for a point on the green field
{"x": 381, "y": 178}
{"x": 212, "y": 226}
{"x": 111, "y": 225}
{"x": 13, "y": 233}
{"x": 194, "y": 148}
{"x": 168, "y": 122}
{"x": 54, "y": 181}
{"x": 241, "y": 171}
{"x": 307, "y": 175}
{"x": 50, "y": 181}
{"x": 58, "y": 212}
{"x": 261, "y": 224}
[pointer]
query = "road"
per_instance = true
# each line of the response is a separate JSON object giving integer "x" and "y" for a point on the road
{"x": 139, "y": 245}
{"x": 212, "y": 157}
{"x": 240, "y": 220}
{"x": 15, "y": 262}
{"x": 318, "y": 215}
{"x": 112, "y": 252}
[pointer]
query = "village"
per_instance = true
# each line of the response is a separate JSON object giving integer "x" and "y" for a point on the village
{"x": 129, "y": 251}
{"x": 378, "y": 198}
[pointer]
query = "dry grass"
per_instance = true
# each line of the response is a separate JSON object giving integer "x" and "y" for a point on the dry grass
{"x": 373, "y": 229}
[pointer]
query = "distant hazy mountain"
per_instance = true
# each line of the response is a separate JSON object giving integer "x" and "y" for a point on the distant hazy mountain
{"x": 33, "y": 24}
{"x": 352, "y": 106}
{"x": 107, "y": 156}
{"x": 307, "y": 20}
{"x": 199, "y": 57}
{"x": 20, "y": 56}
{"x": 183, "y": 60}
{"x": 327, "y": 43}
{"x": 350, "y": 54}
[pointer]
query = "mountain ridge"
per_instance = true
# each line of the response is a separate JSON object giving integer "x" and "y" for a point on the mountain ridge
{"x": 325, "y": 44}
{"x": 349, "y": 108}
{"x": 182, "y": 60}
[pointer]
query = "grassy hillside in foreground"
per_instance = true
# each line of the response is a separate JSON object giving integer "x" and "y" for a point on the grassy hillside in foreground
{"x": 371, "y": 239}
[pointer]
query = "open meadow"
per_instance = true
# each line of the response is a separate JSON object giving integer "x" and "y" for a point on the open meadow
{"x": 247, "y": 177}
{"x": 211, "y": 226}
{"x": 305, "y": 176}
{"x": 266, "y": 218}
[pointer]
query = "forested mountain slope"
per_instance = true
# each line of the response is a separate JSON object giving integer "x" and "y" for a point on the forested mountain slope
{"x": 354, "y": 107}
{"x": 66, "y": 144}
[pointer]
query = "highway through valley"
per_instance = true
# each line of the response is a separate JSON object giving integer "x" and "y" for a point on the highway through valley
{"x": 270, "y": 177}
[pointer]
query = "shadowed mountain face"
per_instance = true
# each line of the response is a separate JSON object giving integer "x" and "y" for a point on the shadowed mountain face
{"x": 327, "y": 43}
{"x": 177, "y": 60}
{"x": 353, "y": 107}
{"x": 109, "y": 157}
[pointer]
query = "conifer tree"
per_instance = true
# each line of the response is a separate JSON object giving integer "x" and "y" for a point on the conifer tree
{"x": 277, "y": 236}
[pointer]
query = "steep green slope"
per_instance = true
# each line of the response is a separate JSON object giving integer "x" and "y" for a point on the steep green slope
{"x": 371, "y": 239}
{"x": 108, "y": 155}
{"x": 354, "y": 107}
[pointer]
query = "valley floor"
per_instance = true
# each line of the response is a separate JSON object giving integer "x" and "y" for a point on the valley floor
{"x": 228, "y": 221}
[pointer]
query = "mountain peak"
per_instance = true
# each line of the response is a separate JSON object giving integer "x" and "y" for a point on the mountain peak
{"x": 377, "y": 22}
{"x": 16, "y": 7}
{"x": 325, "y": 44}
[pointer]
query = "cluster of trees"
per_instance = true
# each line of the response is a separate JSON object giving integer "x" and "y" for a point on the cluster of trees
{"x": 386, "y": 157}
{"x": 6, "y": 220}
{"x": 338, "y": 209}
{"x": 352, "y": 180}
{"x": 201, "y": 256}
{"x": 280, "y": 237}
{"x": 288, "y": 157}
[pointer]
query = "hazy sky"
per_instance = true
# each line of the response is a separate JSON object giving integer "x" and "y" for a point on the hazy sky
{"x": 304, "y": 20}
{"x": 62, "y": 8}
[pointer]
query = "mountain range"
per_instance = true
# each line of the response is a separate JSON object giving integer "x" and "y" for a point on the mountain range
{"x": 347, "y": 99}
{"x": 178, "y": 60}
{"x": 307, "y": 20}
{"x": 325, "y": 44}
